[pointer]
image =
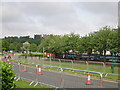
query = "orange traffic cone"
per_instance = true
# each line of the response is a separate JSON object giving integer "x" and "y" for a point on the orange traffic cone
{"x": 100, "y": 83}
{"x": 88, "y": 81}
{"x": 61, "y": 80}
{"x": 39, "y": 71}
{"x": 18, "y": 70}
{"x": 24, "y": 68}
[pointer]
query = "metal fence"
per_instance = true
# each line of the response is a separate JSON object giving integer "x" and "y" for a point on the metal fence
{"x": 55, "y": 79}
{"x": 59, "y": 78}
{"x": 102, "y": 67}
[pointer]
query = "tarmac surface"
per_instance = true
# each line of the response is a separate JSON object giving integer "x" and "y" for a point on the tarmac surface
{"x": 61, "y": 79}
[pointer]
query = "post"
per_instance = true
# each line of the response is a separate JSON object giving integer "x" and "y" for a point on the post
{"x": 72, "y": 63}
{"x": 87, "y": 64}
{"x": 50, "y": 60}
{"x": 61, "y": 79}
{"x": 43, "y": 55}
{"x": 18, "y": 71}
{"x": 101, "y": 81}
{"x": 60, "y": 63}
{"x": 104, "y": 67}
{"x": 39, "y": 60}
{"x": 36, "y": 80}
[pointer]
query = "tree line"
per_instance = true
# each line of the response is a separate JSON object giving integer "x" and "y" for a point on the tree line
{"x": 106, "y": 39}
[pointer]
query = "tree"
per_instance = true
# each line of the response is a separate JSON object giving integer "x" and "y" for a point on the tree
{"x": 33, "y": 48}
{"x": 102, "y": 40}
{"x": 0, "y": 45}
{"x": 26, "y": 46}
{"x": 12, "y": 46}
{"x": 51, "y": 44}
{"x": 5, "y": 45}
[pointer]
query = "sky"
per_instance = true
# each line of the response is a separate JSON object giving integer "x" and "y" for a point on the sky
{"x": 59, "y": 18}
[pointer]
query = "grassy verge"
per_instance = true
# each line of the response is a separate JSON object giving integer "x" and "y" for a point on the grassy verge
{"x": 25, "y": 84}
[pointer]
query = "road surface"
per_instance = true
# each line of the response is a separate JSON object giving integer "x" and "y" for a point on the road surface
{"x": 54, "y": 78}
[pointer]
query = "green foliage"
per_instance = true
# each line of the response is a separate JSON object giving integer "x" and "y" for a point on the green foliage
{"x": 26, "y": 45}
{"x": 8, "y": 82}
{"x": 101, "y": 41}
{"x": 33, "y": 48}
{"x": 34, "y": 55}
{"x": 5, "y": 45}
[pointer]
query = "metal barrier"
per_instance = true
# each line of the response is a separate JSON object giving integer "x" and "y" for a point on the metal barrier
{"x": 58, "y": 78}
{"x": 82, "y": 65}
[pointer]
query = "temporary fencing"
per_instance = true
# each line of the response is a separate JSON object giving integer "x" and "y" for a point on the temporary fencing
{"x": 59, "y": 78}
{"x": 81, "y": 65}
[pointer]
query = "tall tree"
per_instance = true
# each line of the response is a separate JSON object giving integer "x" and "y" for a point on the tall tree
{"x": 33, "y": 47}
{"x": 26, "y": 46}
{"x": 5, "y": 45}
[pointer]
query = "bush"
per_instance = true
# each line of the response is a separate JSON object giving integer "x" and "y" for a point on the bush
{"x": 34, "y": 55}
{"x": 8, "y": 75}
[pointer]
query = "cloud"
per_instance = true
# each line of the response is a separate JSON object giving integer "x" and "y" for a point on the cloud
{"x": 57, "y": 18}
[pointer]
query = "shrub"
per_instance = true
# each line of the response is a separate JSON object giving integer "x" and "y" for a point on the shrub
{"x": 8, "y": 75}
{"x": 34, "y": 55}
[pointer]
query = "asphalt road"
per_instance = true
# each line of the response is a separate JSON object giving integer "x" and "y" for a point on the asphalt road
{"x": 54, "y": 78}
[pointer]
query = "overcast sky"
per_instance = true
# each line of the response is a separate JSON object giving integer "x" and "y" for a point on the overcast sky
{"x": 29, "y": 18}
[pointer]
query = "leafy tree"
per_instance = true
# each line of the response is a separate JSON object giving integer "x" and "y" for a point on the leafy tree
{"x": 12, "y": 46}
{"x": 33, "y": 47}
{"x": 0, "y": 45}
{"x": 26, "y": 46}
{"x": 70, "y": 42}
{"x": 5, "y": 45}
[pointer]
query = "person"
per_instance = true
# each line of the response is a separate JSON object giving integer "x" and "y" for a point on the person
{"x": 9, "y": 57}
{"x": 112, "y": 66}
